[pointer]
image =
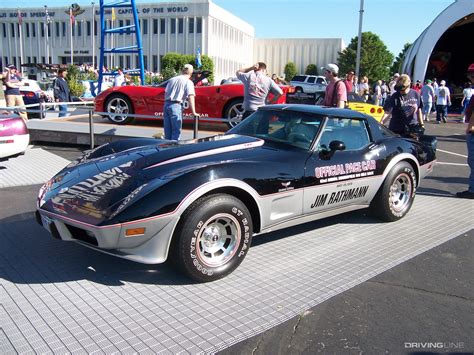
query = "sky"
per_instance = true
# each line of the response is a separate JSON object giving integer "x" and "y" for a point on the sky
{"x": 396, "y": 22}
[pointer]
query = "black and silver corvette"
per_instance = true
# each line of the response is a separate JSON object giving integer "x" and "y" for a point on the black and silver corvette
{"x": 200, "y": 202}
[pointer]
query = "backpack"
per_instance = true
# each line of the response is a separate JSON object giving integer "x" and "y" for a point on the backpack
{"x": 334, "y": 94}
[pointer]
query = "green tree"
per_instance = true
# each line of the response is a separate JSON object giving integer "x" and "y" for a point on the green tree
{"x": 290, "y": 71}
{"x": 311, "y": 69}
{"x": 172, "y": 63}
{"x": 397, "y": 64}
{"x": 375, "y": 58}
{"x": 74, "y": 81}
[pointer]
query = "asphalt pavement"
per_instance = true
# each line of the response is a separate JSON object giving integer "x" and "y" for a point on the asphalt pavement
{"x": 424, "y": 304}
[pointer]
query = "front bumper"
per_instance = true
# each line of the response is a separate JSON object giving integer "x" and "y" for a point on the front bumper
{"x": 148, "y": 248}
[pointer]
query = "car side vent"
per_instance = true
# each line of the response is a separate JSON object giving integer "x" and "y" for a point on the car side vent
{"x": 82, "y": 235}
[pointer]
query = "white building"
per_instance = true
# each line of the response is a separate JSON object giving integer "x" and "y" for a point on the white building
{"x": 165, "y": 27}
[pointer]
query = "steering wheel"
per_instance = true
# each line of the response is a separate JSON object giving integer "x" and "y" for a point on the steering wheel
{"x": 296, "y": 137}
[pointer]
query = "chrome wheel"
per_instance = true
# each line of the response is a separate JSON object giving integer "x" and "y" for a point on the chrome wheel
{"x": 218, "y": 240}
{"x": 235, "y": 113}
{"x": 120, "y": 106}
{"x": 400, "y": 194}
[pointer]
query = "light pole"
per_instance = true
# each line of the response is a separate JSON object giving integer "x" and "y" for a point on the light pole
{"x": 359, "y": 37}
{"x": 46, "y": 25}
{"x": 93, "y": 36}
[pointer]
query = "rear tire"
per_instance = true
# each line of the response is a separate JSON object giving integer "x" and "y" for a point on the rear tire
{"x": 121, "y": 104}
{"x": 395, "y": 197}
{"x": 234, "y": 110}
{"x": 213, "y": 237}
{"x": 299, "y": 89}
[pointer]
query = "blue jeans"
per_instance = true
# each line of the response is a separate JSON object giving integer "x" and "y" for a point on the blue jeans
{"x": 62, "y": 111}
{"x": 173, "y": 120}
{"x": 470, "y": 159}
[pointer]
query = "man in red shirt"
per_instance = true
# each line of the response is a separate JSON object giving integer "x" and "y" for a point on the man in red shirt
{"x": 336, "y": 92}
{"x": 469, "y": 193}
{"x": 349, "y": 81}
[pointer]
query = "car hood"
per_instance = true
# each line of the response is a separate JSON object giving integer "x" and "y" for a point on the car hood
{"x": 93, "y": 190}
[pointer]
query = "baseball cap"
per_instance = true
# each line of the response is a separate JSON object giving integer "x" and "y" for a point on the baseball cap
{"x": 396, "y": 75}
{"x": 333, "y": 68}
{"x": 428, "y": 81}
{"x": 442, "y": 82}
{"x": 11, "y": 66}
{"x": 471, "y": 68}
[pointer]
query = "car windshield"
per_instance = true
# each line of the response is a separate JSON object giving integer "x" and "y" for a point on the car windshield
{"x": 298, "y": 129}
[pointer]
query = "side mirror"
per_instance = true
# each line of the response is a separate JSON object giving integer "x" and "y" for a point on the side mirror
{"x": 336, "y": 145}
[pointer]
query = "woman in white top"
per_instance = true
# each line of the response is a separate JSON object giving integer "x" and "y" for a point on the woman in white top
{"x": 466, "y": 96}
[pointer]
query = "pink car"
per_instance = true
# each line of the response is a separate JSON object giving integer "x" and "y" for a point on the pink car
{"x": 14, "y": 136}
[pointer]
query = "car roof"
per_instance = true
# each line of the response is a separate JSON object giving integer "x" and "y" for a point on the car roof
{"x": 318, "y": 110}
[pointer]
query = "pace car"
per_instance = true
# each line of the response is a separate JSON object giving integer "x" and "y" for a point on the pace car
{"x": 215, "y": 101}
{"x": 14, "y": 135}
{"x": 200, "y": 202}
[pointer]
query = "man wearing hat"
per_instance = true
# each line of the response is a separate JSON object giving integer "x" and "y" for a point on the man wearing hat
{"x": 13, "y": 97}
{"x": 178, "y": 89}
{"x": 336, "y": 91}
{"x": 443, "y": 100}
{"x": 427, "y": 98}
{"x": 392, "y": 83}
{"x": 469, "y": 193}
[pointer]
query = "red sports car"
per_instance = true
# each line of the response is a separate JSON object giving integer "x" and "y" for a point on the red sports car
{"x": 216, "y": 101}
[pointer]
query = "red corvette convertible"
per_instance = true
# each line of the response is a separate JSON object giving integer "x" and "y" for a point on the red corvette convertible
{"x": 216, "y": 101}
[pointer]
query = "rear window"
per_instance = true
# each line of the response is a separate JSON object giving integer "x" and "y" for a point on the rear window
{"x": 299, "y": 78}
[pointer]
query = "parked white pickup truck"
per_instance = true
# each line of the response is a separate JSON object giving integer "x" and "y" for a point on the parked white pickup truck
{"x": 309, "y": 84}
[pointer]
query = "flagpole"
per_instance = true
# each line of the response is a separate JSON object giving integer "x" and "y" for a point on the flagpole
{"x": 93, "y": 36}
{"x": 47, "y": 35}
{"x": 70, "y": 33}
{"x": 20, "y": 25}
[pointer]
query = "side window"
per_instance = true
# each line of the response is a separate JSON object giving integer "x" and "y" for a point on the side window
{"x": 320, "y": 81}
{"x": 298, "y": 78}
{"x": 311, "y": 79}
{"x": 352, "y": 132}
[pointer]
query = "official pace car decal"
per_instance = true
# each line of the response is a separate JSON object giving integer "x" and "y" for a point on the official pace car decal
{"x": 338, "y": 172}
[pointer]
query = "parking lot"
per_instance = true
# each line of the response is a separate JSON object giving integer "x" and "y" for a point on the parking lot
{"x": 348, "y": 284}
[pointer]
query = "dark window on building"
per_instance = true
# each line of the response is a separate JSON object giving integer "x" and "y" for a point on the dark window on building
{"x": 28, "y": 59}
{"x": 155, "y": 63}
{"x": 35, "y": 60}
{"x": 63, "y": 28}
{"x": 43, "y": 59}
{"x": 181, "y": 25}
{"x": 88, "y": 29}
{"x": 14, "y": 62}
{"x": 137, "y": 64}
{"x": 27, "y": 28}
{"x": 145, "y": 62}
{"x": 4, "y": 28}
{"x": 79, "y": 29}
{"x": 33, "y": 29}
{"x": 127, "y": 62}
{"x": 191, "y": 25}
{"x": 199, "y": 25}
{"x": 42, "y": 30}
{"x": 120, "y": 24}
{"x": 121, "y": 61}
{"x": 161, "y": 61}
{"x": 173, "y": 25}
{"x": 155, "y": 26}
{"x": 57, "y": 29}
{"x": 95, "y": 28}
{"x": 162, "y": 26}
{"x": 49, "y": 29}
{"x": 12, "y": 29}
{"x": 145, "y": 26}
{"x": 6, "y": 61}
{"x": 73, "y": 28}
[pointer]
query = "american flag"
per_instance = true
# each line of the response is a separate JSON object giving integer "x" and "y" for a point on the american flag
{"x": 20, "y": 18}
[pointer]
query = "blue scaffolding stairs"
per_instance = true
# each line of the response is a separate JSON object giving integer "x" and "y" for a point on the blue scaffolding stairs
{"x": 134, "y": 27}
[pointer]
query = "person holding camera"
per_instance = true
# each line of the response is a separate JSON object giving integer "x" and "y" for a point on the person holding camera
{"x": 13, "y": 81}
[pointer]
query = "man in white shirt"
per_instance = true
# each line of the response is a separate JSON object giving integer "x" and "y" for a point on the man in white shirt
{"x": 119, "y": 78}
{"x": 178, "y": 89}
{"x": 443, "y": 100}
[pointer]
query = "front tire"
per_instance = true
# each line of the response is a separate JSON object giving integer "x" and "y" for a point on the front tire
{"x": 234, "y": 110}
{"x": 213, "y": 237}
{"x": 122, "y": 105}
{"x": 395, "y": 198}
